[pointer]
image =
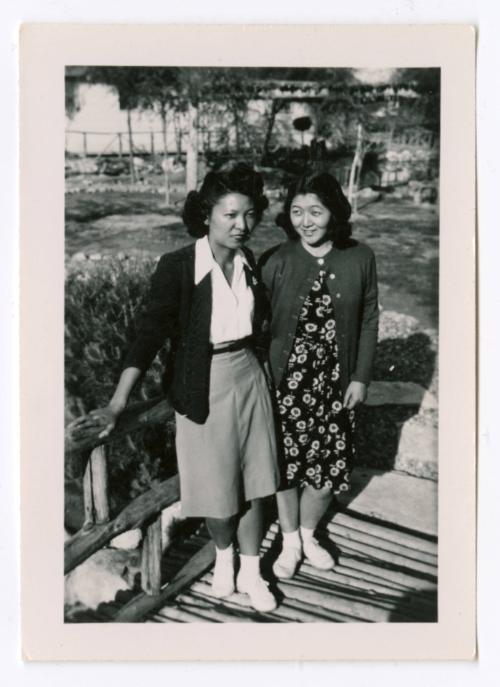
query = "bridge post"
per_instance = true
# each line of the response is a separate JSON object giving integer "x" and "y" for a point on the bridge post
{"x": 151, "y": 557}
{"x": 95, "y": 489}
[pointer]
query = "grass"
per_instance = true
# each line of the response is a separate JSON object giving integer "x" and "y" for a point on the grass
{"x": 405, "y": 238}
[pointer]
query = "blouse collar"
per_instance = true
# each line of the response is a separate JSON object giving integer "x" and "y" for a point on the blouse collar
{"x": 204, "y": 260}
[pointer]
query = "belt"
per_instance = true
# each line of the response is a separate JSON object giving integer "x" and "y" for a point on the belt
{"x": 238, "y": 345}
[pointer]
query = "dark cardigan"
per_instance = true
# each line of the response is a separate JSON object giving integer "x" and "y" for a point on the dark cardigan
{"x": 178, "y": 310}
{"x": 288, "y": 273}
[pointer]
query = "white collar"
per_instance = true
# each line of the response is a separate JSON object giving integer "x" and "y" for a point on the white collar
{"x": 204, "y": 260}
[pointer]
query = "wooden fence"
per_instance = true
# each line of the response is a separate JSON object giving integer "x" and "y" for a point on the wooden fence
{"x": 86, "y": 452}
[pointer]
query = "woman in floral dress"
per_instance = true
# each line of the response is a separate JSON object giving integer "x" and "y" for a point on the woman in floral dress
{"x": 322, "y": 287}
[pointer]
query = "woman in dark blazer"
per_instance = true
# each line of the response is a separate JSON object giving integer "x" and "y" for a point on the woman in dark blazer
{"x": 205, "y": 298}
{"x": 323, "y": 291}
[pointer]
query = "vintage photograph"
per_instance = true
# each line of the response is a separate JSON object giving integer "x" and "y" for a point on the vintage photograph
{"x": 251, "y": 318}
{"x": 247, "y": 342}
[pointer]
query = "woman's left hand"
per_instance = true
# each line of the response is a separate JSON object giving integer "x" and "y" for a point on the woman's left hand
{"x": 355, "y": 394}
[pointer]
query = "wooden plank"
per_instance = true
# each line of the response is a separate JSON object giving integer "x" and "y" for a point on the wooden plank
{"x": 142, "y": 605}
{"x": 240, "y": 603}
{"x": 350, "y": 558}
{"x": 208, "y": 610}
{"x": 391, "y": 534}
{"x": 375, "y": 553}
{"x": 180, "y": 615}
{"x": 332, "y": 602}
{"x": 336, "y": 577}
{"x": 99, "y": 475}
{"x": 88, "y": 501}
{"x": 357, "y": 535}
{"x": 85, "y": 543}
{"x": 389, "y": 581}
{"x": 151, "y": 558}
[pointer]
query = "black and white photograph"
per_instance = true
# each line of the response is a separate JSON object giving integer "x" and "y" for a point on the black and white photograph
{"x": 251, "y": 342}
{"x": 256, "y": 302}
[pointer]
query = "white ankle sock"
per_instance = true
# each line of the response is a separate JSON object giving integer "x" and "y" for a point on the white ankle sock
{"x": 292, "y": 540}
{"x": 306, "y": 534}
{"x": 249, "y": 565}
{"x": 224, "y": 554}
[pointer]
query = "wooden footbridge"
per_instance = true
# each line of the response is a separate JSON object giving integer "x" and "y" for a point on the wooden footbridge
{"x": 383, "y": 539}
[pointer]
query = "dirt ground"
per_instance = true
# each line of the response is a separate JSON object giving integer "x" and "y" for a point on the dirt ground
{"x": 404, "y": 237}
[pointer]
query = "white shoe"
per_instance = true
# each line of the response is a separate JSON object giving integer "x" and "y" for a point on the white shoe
{"x": 223, "y": 579}
{"x": 286, "y": 564}
{"x": 257, "y": 589}
{"x": 317, "y": 556}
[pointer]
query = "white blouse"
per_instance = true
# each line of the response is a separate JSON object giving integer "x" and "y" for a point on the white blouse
{"x": 232, "y": 305}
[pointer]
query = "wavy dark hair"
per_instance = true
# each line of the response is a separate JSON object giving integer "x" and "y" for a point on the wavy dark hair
{"x": 330, "y": 193}
{"x": 235, "y": 177}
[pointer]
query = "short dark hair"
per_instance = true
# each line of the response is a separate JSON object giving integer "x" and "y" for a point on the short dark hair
{"x": 330, "y": 193}
{"x": 235, "y": 177}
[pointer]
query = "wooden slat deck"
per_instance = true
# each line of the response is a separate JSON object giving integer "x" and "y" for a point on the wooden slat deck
{"x": 384, "y": 573}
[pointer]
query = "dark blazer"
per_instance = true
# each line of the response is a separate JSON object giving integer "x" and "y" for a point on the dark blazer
{"x": 178, "y": 310}
{"x": 288, "y": 272}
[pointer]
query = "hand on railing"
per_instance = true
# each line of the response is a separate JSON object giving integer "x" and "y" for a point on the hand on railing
{"x": 101, "y": 419}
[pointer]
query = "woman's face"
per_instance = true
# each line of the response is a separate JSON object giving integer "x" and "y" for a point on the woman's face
{"x": 310, "y": 218}
{"x": 231, "y": 221}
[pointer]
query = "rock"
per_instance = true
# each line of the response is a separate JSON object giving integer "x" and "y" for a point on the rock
{"x": 127, "y": 540}
{"x": 417, "y": 452}
{"x": 367, "y": 194}
{"x": 395, "y": 498}
{"x": 95, "y": 257}
{"x": 78, "y": 257}
{"x": 395, "y": 325}
{"x": 100, "y": 577}
{"x": 399, "y": 393}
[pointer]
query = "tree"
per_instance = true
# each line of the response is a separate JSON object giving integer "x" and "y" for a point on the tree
{"x": 427, "y": 83}
{"x": 157, "y": 91}
{"x": 302, "y": 124}
{"x": 127, "y": 82}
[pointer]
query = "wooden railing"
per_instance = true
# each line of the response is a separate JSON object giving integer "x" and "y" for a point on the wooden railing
{"x": 86, "y": 453}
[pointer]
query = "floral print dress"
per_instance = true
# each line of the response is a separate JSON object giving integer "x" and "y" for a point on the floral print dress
{"x": 317, "y": 431}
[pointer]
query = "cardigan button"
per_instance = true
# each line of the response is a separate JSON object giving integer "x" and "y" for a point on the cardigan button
{"x": 321, "y": 261}
{"x": 338, "y": 295}
{"x": 332, "y": 276}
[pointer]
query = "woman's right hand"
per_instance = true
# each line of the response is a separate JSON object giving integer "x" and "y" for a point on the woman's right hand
{"x": 103, "y": 419}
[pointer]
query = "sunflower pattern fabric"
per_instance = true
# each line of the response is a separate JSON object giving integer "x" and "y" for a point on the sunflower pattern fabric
{"x": 316, "y": 429}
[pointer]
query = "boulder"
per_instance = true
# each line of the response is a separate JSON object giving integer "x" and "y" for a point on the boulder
{"x": 395, "y": 325}
{"x": 400, "y": 393}
{"x": 127, "y": 540}
{"x": 98, "y": 579}
{"x": 78, "y": 257}
{"x": 417, "y": 452}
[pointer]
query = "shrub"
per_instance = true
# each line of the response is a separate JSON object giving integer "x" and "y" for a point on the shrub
{"x": 102, "y": 301}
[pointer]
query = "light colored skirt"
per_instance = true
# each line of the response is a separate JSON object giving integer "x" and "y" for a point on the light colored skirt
{"x": 231, "y": 458}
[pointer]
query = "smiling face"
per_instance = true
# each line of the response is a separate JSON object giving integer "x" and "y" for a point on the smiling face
{"x": 231, "y": 221}
{"x": 310, "y": 219}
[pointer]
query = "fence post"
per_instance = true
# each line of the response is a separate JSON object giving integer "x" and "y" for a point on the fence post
{"x": 152, "y": 144}
{"x": 95, "y": 488}
{"x": 120, "y": 145}
{"x": 151, "y": 558}
{"x": 88, "y": 505}
{"x": 100, "y": 483}
{"x": 84, "y": 145}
